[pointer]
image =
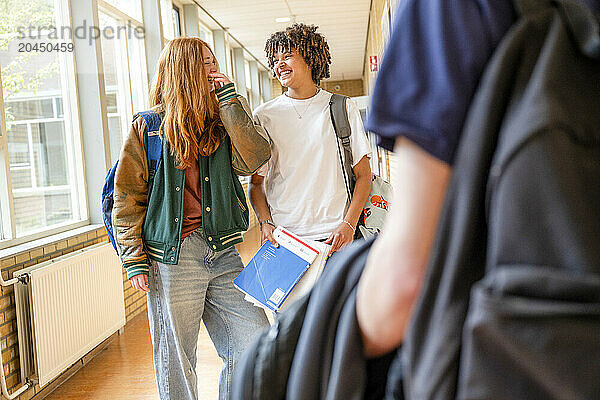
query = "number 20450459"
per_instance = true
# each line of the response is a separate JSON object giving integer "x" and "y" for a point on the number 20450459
{"x": 45, "y": 47}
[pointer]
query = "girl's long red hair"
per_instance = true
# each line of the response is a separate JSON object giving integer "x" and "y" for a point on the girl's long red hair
{"x": 191, "y": 120}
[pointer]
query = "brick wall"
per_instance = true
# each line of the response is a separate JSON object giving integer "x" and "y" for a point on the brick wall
{"x": 135, "y": 303}
{"x": 135, "y": 300}
{"x": 351, "y": 88}
{"x": 276, "y": 88}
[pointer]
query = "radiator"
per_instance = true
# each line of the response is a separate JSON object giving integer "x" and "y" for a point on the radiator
{"x": 65, "y": 308}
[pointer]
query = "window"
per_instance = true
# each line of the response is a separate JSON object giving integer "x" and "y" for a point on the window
{"x": 248, "y": 84}
{"x": 133, "y": 8}
{"x": 138, "y": 76}
{"x": 206, "y": 34}
{"x": 176, "y": 13}
{"x": 40, "y": 155}
{"x": 166, "y": 14}
{"x": 229, "y": 61}
{"x": 2, "y": 237}
{"x": 261, "y": 85}
{"x": 125, "y": 76}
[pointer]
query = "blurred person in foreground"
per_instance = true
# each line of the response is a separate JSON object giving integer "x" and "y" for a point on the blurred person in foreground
{"x": 431, "y": 70}
{"x": 345, "y": 339}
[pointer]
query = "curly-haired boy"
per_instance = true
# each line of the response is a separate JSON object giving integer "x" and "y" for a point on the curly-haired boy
{"x": 302, "y": 186}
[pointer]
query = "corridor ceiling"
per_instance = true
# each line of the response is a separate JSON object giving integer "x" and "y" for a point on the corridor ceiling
{"x": 343, "y": 22}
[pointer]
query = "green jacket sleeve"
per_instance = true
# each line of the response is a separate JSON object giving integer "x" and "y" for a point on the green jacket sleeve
{"x": 251, "y": 146}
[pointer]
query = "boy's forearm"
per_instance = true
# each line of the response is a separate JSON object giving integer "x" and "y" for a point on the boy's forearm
{"x": 258, "y": 200}
{"x": 362, "y": 189}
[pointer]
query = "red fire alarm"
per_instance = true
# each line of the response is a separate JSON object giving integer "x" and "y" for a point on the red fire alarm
{"x": 373, "y": 64}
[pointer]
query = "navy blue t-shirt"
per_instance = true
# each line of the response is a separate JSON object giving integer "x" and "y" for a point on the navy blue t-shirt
{"x": 436, "y": 55}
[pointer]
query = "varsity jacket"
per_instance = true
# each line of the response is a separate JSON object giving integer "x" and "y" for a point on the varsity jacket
{"x": 148, "y": 225}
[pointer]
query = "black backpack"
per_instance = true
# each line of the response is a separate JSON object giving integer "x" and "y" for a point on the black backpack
{"x": 510, "y": 308}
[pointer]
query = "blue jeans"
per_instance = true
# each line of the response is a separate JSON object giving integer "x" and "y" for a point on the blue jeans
{"x": 199, "y": 287}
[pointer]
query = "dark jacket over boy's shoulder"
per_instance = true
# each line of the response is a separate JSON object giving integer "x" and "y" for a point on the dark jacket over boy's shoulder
{"x": 432, "y": 67}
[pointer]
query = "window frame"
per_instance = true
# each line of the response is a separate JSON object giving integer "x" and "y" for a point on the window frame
{"x": 73, "y": 150}
{"x": 121, "y": 17}
{"x": 229, "y": 68}
{"x": 7, "y": 208}
{"x": 248, "y": 89}
{"x": 116, "y": 13}
{"x": 168, "y": 31}
{"x": 261, "y": 93}
{"x": 202, "y": 27}
{"x": 177, "y": 6}
{"x": 115, "y": 9}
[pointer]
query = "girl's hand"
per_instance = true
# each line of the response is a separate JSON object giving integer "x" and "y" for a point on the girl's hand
{"x": 140, "y": 282}
{"x": 219, "y": 79}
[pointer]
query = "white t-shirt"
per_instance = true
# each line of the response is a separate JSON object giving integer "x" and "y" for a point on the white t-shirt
{"x": 304, "y": 180}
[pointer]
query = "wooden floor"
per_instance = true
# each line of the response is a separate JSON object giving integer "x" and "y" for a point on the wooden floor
{"x": 124, "y": 371}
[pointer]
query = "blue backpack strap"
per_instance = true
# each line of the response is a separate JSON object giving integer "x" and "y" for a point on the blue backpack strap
{"x": 108, "y": 202}
{"x": 153, "y": 143}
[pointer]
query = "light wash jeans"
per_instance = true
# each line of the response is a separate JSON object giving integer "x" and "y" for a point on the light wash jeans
{"x": 199, "y": 287}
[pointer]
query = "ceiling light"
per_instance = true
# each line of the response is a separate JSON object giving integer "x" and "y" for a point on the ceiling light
{"x": 283, "y": 19}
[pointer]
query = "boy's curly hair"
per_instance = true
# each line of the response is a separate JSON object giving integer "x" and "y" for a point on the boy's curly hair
{"x": 311, "y": 46}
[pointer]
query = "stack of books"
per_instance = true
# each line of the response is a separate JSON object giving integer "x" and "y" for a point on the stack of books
{"x": 277, "y": 275}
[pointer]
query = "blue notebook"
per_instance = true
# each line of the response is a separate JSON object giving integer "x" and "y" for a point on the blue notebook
{"x": 274, "y": 271}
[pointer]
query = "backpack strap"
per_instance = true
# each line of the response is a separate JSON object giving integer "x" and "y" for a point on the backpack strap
{"x": 341, "y": 126}
{"x": 153, "y": 143}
